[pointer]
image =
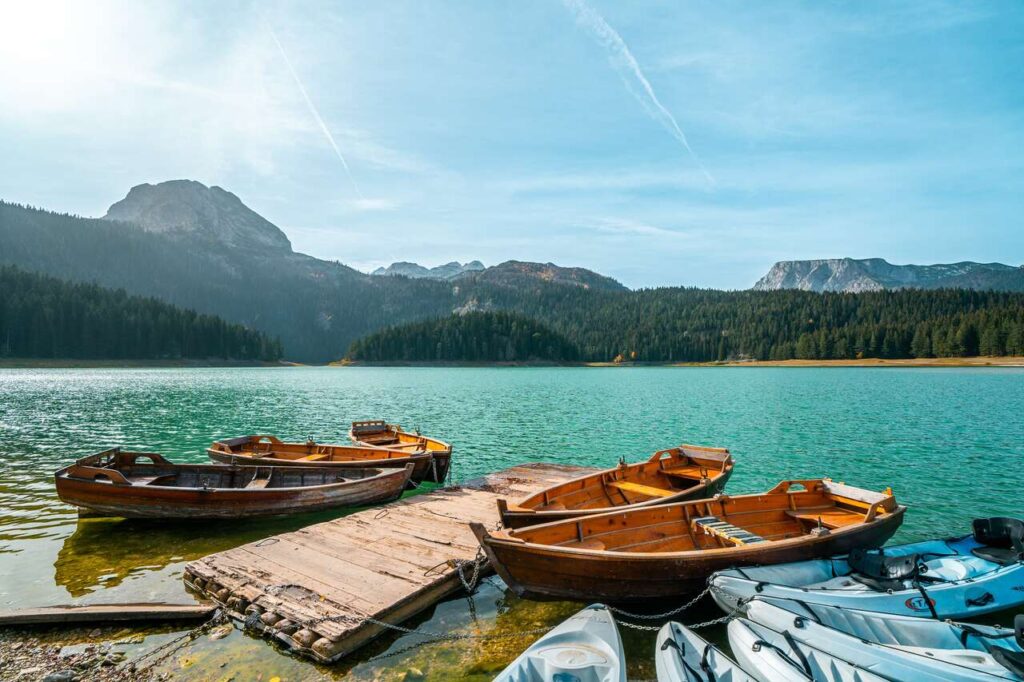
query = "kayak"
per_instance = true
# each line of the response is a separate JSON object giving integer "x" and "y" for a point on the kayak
{"x": 585, "y": 648}
{"x": 681, "y": 655}
{"x": 954, "y": 578}
{"x": 778, "y": 657}
{"x": 893, "y": 647}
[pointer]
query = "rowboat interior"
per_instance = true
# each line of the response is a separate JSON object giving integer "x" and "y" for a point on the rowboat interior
{"x": 118, "y": 467}
{"x": 271, "y": 447}
{"x": 791, "y": 509}
{"x": 667, "y": 474}
{"x": 378, "y": 433}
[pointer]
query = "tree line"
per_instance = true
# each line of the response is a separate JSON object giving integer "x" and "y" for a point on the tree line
{"x": 43, "y": 317}
{"x": 702, "y": 325}
{"x": 472, "y": 337}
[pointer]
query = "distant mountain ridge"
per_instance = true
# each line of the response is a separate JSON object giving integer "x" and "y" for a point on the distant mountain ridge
{"x": 519, "y": 274}
{"x": 875, "y": 274}
{"x": 416, "y": 271}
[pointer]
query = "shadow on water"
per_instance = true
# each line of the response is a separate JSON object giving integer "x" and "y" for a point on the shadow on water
{"x": 102, "y": 553}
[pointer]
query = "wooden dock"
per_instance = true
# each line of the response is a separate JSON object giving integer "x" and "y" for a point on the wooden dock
{"x": 387, "y": 563}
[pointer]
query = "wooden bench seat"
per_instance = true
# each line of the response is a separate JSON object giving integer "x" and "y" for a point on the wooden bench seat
{"x": 640, "y": 489}
{"x": 714, "y": 526}
{"x": 312, "y": 458}
{"x": 831, "y": 517}
{"x": 258, "y": 483}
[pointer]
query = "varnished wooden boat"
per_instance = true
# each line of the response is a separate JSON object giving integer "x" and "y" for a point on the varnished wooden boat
{"x": 670, "y": 550}
{"x": 146, "y": 485}
{"x": 378, "y": 433}
{"x": 272, "y": 451}
{"x": 688, "y": 472}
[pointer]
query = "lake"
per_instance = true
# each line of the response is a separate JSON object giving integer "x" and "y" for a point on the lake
{"x": 949, "y": 441}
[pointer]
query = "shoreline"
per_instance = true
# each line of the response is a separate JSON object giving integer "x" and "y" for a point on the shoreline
{"x": 81, "y": 363}
{"x": 980, "y": 361}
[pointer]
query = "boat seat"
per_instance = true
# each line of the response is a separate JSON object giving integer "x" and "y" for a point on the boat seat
{"x": 712, "y": 525}
{"x": 831, "y": 517}
{"x": 640, "y": 489}
{"x": 258, "y": 483}
{"x": 142, "y": 480}
{"x": 554, "y": 506}
{"x": 311, "y": 458}
{"x": 689, "y": 471}
{"x": 591, "y": 544}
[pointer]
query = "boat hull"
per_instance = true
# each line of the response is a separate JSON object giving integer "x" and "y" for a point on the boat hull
{"x": 665, "y": 551}
{"x": 98, "y": 491}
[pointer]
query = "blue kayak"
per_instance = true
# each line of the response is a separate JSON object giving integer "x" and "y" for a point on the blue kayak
{"x": 953, "y": 578}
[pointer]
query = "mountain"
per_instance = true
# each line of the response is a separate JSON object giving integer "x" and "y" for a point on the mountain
{"x": 876, "y": 274}
{"x": 520, "y": 274}
{"x": 188, "y": 208}
{"x": 416, "y": 271}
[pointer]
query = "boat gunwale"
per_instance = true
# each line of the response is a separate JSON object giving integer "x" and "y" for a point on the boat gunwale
{"x": 445, "y": 448}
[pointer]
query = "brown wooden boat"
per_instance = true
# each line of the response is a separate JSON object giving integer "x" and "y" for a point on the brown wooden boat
{"x": 687, "y": 472}
{"x": 670, "y": 550}
{"x": 272, "y": 451}
{"x": 117, "y": 483}
{"x": 378, "y": 433}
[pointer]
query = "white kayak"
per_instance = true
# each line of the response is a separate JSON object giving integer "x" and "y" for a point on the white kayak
{"x": 681, "y": 655}
{"x": 894, "y": 647}
{"x": 585, "y": 648}
{"x": 954, "y": 578}
{"x": 778, "y": 657}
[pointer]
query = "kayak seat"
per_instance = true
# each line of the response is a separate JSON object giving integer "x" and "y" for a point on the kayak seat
{"x": 953, "y": 568}
{"x": 1009, "y": 659}
{"x": 875, "y": 564}
{"x": 1000, "y": 532}
{"x": 1004, "y": 556}
{"x": 714, "y": 526}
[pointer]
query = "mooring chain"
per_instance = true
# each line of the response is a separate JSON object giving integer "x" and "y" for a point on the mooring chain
{"x": 168, "y": 648}
{"x": 477, "y": 563}
{"x": 661, "y": 616}
{"x": 696, "y": 626}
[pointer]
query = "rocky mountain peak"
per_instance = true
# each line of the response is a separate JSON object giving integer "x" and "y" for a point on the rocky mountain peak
{"x": 190, "y": 208}
{"x": 417, "y": 271}
{"x": 874, "y": 274}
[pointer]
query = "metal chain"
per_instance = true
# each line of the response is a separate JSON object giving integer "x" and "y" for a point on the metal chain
{"x": 168, "y": 648}
{"x": 438, "y": 636}
{"x": 477, "y": 563}
{"x": 661, "y": 616}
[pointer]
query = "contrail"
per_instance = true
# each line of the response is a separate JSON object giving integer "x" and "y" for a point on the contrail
{"x": 626, "y": 64}
{"x": 312, "y": 108}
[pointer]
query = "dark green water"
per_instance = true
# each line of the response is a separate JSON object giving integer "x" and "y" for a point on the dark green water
{"x": 949, "y": 441}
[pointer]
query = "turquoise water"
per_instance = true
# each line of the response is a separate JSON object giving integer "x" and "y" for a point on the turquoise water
{"x": 949, "y": 441}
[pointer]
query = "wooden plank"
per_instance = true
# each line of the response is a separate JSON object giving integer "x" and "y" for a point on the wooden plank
{"x": 388, "y": 562}
{"x": 105, "y": 613}
{"x": 640, "y": 489}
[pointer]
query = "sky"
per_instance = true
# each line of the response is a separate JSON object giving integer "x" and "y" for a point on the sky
{"x": 660, "y": 143}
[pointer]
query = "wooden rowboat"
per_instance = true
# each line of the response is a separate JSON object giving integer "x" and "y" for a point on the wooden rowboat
{"x": 688, "y": 472}
{"x": 272, "y": 451}
{"x": 670, "y": 550}
{"x": 378, "y": 433}
{"x": 117, "y": 483}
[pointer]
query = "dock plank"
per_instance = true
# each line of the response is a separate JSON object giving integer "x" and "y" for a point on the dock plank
{"x": 388, "y": 563}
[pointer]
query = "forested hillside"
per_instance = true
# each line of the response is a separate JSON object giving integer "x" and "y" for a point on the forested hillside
{"x": 701, "y": 325}
{"x": 474, "y": 337}
{"x": 219, "y": 258}
{"x": 43, "y": 317}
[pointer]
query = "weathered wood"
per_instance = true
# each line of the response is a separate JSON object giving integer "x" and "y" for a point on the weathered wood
{"x": 104, "y": 613}
{"x": 388, "y": 563}
{"x": 378, "y": 433}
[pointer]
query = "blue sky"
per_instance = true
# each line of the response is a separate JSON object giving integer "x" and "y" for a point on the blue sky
{"x": 659, "y": 143}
